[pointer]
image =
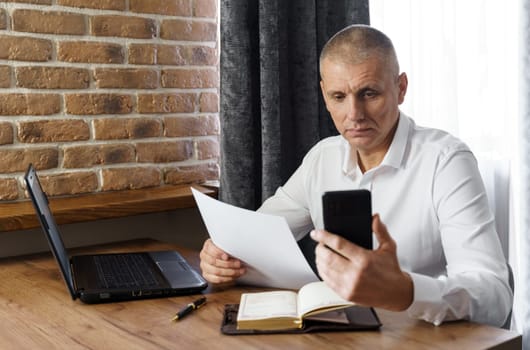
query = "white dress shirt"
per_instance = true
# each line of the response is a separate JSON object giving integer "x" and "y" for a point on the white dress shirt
{"x": 429, "y": 193}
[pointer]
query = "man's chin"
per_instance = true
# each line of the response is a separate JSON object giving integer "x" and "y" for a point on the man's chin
{"x": 360, "y": 143}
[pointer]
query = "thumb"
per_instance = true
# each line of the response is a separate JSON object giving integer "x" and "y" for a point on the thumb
{"x": 381, "y": 233}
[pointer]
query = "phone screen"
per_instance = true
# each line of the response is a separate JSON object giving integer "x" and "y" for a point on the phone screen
{"x": 349, "y": 215}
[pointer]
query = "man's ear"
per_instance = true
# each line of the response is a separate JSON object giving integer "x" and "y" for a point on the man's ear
{"x": 403, "y": 83}
{"x": 324, "y": 93}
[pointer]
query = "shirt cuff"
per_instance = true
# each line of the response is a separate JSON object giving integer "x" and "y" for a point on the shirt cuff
{"x": 427, "y": 299}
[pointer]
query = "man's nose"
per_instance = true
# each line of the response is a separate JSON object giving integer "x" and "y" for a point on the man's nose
{"x": 355, "y": 110}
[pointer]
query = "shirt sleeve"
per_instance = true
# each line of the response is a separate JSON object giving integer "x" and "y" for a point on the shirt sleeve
{"x": 290, "y": 201}
{"x": 476, "y": 285}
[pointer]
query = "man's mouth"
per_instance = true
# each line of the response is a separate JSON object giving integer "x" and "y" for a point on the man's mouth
{"x": 358, "y": 131}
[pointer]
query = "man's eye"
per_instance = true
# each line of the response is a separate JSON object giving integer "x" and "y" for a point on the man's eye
{"x": 338, "y": 97}
{"x": 369, "y": 93}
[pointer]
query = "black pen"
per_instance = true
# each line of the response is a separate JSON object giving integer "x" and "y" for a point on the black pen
{"x": 189, "y": 308}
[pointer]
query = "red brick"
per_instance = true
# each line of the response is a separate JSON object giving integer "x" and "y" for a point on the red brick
{"x": 5, "y": 76}
{"x": 32, "y": 104}
{"x": 163, "y": 7}
{"x": 123, "y": 26}
{"x": 188, "y": 30}
{"x": 209, "y": 102}
{"x": 9, "y": 189}
{"x": 22, "y": 48}
{"x": 201, "y": 56}
{"x": 128, "y": 78}
{"x": 39, "y": 77}
{"x": 207, "y": 149}
{"x": 164, "y": 152}
{"x": 118, "y": 5}
{"x": 166, "y": 103}
{"x": 6, "y": 133}
{"x": 142, "y": 54}
{"x": 53, "y": 131}
{"x": 90, "y": 52}
{"x": 192, "y": 174}
{"x": 92, "y": 104}
{"x": 171, "y": 55}
{"x": 69, "y": 183}
{"x": 51, "y": 22}
{"x": 205, "y": 8}
{"x": 191, "y": 126}
{"x": 157, "y": 54}
{"x": 126, "y": 128}
{"x": 87, "y": 156}
{"x": 17, "y": 160}
{"x": 190, "y": 78}
{"x": 130, "y": 178}
{"x": 3, "y": 19}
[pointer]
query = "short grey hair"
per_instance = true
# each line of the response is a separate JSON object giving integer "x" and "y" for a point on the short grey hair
{"x": 357, "y": 43}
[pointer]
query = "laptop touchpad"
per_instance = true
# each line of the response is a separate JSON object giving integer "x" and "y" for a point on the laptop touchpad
{"x": 178, "y": 273}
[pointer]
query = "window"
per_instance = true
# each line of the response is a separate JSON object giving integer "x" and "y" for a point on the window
{"x": 461, "y": 60}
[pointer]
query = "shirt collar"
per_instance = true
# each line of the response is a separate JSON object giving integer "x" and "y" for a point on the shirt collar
{"x": 395, "y": 154}
{"x": 349, "y": 163}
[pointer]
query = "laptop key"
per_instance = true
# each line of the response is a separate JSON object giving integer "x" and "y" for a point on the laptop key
{"x": 124, "y": 270}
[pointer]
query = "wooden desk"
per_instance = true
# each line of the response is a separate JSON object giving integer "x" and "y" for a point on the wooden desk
{"x": 37, "y": 312}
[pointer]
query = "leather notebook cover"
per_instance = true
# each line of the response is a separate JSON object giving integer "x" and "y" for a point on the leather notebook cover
{"x": 361, "y": 318}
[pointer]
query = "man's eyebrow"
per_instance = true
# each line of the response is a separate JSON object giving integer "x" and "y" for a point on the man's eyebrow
{"x": 356, "y": 91}
{"x": 364, "y": 89}
{"x": 334, "y": 91}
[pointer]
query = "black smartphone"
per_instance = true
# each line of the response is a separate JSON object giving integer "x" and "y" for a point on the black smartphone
{"x": 349, "y": 214}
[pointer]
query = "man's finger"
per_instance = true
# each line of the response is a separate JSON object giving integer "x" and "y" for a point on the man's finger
{"x": 381, "y": 232}
{"x": 214, "y": 250}
{"x": 336, "y": 243}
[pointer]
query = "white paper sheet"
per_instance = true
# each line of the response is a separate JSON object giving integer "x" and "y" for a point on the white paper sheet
{"x": 263, "y": 242}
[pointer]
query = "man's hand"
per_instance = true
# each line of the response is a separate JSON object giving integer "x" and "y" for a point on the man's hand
{"x": 366, "y": 277}
{"x": 217, "y": 266}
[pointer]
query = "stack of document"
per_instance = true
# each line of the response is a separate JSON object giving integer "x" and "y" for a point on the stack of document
{"x": 264, "y": 243}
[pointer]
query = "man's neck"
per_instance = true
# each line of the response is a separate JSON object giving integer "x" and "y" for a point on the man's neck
{"x": 369, "y": 161}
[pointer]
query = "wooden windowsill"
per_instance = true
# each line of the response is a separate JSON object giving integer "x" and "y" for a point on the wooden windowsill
{"x": 104, "y": 205}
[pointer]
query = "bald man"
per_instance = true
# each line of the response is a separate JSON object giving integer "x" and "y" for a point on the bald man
{"x": 438, "y": 255}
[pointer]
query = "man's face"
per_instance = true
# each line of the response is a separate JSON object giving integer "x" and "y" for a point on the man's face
{"x": 363, "y": 101}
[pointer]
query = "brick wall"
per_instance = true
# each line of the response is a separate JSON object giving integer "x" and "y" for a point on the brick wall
{"x": 106, "y": 95}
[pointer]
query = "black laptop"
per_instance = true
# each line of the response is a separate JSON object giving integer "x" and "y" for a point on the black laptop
{"x": 101, "y": 278}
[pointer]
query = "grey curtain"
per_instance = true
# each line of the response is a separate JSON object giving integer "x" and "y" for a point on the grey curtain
{"x": 270, "y": 106}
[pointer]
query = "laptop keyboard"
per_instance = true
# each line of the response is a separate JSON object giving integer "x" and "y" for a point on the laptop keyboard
{"x": 125, "y": 270}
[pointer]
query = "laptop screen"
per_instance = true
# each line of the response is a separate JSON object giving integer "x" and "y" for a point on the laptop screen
{"x": 40, "y": 202}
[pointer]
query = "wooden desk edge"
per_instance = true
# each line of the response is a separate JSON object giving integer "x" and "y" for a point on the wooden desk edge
{"x": 514, "y": 343}
{"x": 103, "y": 205}
{"x": 401, "y": 330}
